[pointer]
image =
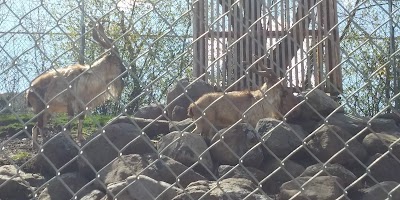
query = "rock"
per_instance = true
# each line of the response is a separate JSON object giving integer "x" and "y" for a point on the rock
{"x": 319, "y": 101}
{"x": 94, "y": 195}
{"x": 179, "y": 113}
{"x": 333, "y": 170}
{"x": 231, "y": 188}
{"x": 354, "y": 124}
{"x": 152, "y": 111}
{"x": 120, "y": 135}
{"x": 34, "y": 180}
{"x": 239, "y": 171}
{"x": 164, "y": 169}
{"x": 16, "y": 184}
{"x": 394, "y": 115}
{"x": 318, "y": 188}
{"x": 151, "y": 127}
{"x": 230, "y": 144}
{"x": 142, "y": 188}
{"x": 330, "y": 139}
{"x": 58, "y": 151}
{"x": 385, "y": 168}
{"x": 186, "y": 125}
{"x": 57, "y": 190}
{"x": 186, "y": 148}
{"x": 183, "y": 90}
{"x": 281, "y": 139}
{"x": 380, "y": 191}
{"x": 308, "y": 125}
{"x": 289, "y": 169}
{"x": 379, "y": 143}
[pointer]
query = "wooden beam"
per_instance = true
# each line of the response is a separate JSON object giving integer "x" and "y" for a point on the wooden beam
{"x": 266, "y": 33}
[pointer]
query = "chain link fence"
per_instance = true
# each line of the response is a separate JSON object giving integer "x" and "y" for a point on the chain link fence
{"x": 246, "y": 99}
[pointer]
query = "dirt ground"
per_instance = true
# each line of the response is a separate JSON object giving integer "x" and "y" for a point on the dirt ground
{"x": 15, "y": 151}
{"x": 18, "y": 150}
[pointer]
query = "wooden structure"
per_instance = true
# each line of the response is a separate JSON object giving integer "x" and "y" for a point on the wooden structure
{"x": 298, "y": 38}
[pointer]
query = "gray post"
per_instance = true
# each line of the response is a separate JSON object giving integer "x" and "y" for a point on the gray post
{"x": 82, "y": 38}
{"x": 393, "y": 58}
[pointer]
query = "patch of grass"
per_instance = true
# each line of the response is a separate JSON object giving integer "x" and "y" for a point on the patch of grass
{"x": 22, "y": 155}
{"x": 6, "y": 119}
{"x": 91, "y": 123}
{"x": 10, "y": 125}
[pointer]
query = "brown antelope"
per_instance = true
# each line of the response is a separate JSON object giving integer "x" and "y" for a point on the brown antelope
{"x": 272, "y": 100}
{"x": 75, "y": 89}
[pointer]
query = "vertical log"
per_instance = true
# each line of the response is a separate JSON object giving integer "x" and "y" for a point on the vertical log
{"x": 325, "y": 33}
{"x": 320, "y": 49}
{"x": 212, "y": 42}
{"x": 293, "y": 39}
{"x": 332, "y": 51}
{"x": 199, "y": 46}
{"x": 254, "y": 41}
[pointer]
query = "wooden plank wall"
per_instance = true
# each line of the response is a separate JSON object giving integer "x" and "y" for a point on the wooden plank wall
{"x": 299, "y": 39}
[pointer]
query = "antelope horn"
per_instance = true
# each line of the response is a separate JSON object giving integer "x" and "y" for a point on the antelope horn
{"x": 100, "y": 37}
{"x": 265, "y": 72}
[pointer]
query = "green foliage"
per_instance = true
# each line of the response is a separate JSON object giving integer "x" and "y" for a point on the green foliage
{"x": 368, "y": 77}
{"x": 11, "y": 124}
{"x": 21, "y": 155}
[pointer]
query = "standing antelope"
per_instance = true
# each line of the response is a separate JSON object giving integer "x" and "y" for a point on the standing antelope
{"x": 220, "y": 109}
{"x": 76, "y": 88}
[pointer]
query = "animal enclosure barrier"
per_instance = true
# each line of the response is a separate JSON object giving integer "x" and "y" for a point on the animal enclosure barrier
{"x": 299, "y": 39}
{"x": 200, "y": 99}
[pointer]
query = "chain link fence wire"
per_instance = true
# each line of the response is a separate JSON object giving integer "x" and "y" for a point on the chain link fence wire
{"x": 228, "y": 99}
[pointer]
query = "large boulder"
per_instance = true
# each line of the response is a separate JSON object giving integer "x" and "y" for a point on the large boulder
{"x": 60, "y": 186}
{"x": 151, "y": 165}
{"x": 56, "y": 155}
{"x": 279, "y": 137}
{"x": 279, "y": 173}
{"x": 355, "y": 124}
{"x": 230, "y": 144}
{"x": 329, "y": 140}
{"x": 182, "y": 94}
{"x": 394, "y": 115}
{"x": 94, "y": 195}
{"x": 317, "y": 103}
{"x": 142, "y": 188}
{"x": 239, "y": 171}
{"x": 179, "y": 113}
{"x": 231, "y": 188}
{"x": 384, "y": 168}
{"x": 16, "y": 184}
{"x": 318, "y": 188}
{"x": 381, "y": 191}
{"x": 186, "y": 148}
{"x": 184, "y": 125}
{"x": 152, "y": 128}
{"x": 332, "y": 170}
{"x": 102, "y": 148}
{"x": 380, "y": 142}
{"x": 152, "y": 111}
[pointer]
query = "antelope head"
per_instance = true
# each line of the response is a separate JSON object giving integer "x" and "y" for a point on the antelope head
{"x": 284, "y": 94}
{"x": 107, "y": 44}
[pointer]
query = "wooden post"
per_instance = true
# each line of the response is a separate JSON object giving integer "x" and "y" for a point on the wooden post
{"x": 335, "y": 80}
{"x": 200, "y": 42}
